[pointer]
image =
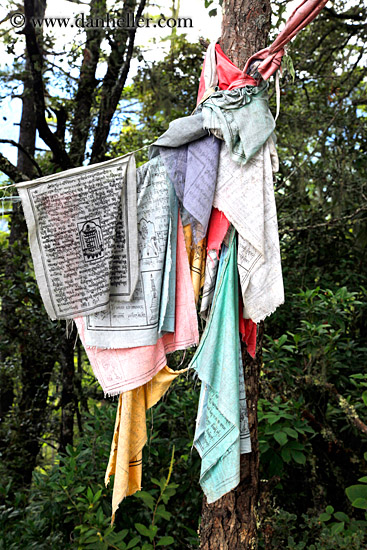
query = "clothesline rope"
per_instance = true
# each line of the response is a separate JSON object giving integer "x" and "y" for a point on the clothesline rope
{"x": 132, "y": 153}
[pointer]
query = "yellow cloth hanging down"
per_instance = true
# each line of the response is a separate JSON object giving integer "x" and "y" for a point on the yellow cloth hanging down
{"x": 196, "y": 254}
{"x": 130, "y": 435}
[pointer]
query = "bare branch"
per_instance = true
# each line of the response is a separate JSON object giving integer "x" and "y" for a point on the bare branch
{"x": 11, "y": 171}
{"x": 346, "y": 407}
{"x": 333, "y": 221}
{"x": 33, "y": 161}
{"x": 36, "y": 61}
{"x": 86, "y": 88}
{"x": 114, "y": 81}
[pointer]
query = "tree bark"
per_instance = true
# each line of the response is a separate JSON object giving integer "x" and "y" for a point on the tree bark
{"x": 231, "y": 522}
{"x": 122, "y": 47}
{"x": 37, "y": 8}
{"x": 68, "y": 398}
{"x": 245, "y": 28}
{"x": 87, "y": 85}
{"x": 18, "y": 232}
{"x": 28, "y": 330}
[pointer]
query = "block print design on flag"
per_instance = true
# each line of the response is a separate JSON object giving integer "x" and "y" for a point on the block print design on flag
{"x": 83, "y": 236}
{"x": 120, "y": 370}
{"x": 218, "y": 436}
{"x": 142, "y": 321}
{"x": 245, "y": 194}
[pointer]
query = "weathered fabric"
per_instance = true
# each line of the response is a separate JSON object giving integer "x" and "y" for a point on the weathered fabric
{"x": 271, "y": 58}
{"x": 218, "y": 227}
{"x": 245, "y": 194}
{"x": 196, "y": 254}
{"x": 150, "y": 312}
{"x": 210, "y": 277}
{"x": 120, "y": 370}
{"x": 218, "y": 429}
{"x": 248, "y": 330}
{"x": 168, "y": 294}
{"x": 218, "y": 70}
{"x": 130, "y": 435}
{"x": 83, "y": 236}
{"x": 208, "y": 78}
{"x": 193, "y": 171}
{"x": 242, "y": 117}
{"x": 180, "y": 131}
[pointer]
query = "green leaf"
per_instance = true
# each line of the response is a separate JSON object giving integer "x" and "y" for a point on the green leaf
{"x": 94, "y": 538}
{"x": 281, "y": 438}
{"x": 120, "y": 535}
{"x": 282, "y": 340}
{"x": 298, "y": 457}
{"x": 363, "y": 479}
{"x": 291, "y": 432}
{"x": 165, "y": 541}
{"x": 337, "y": 528}
{"x": 142, "y": 529}
{"x": 90, "y": 494}
{"x": 355, "y": 492}
{"x": 87, "y": 533}
{"x": 162, "y": 512}
{"x": 159, "y": 483}
{"x": 360, "y": 503}
{"x": 340, "y": 516}
{"x": 150, "y": 531}
{"x": 286, "y": 454}
{"x": 213, "y": 12}
{"x": 97, "y": 496}
{"x": 324, "y": 517}
{"x": 272, "y": 418}
{"x": 147, "y": 498}
{"x": 133, "y": 543}
{"x": 329, "y": 509}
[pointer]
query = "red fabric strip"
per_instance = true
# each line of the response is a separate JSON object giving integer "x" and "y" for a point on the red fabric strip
{"x": 272, "y": 56}
{"x": 248, "y": 330}
{"x": 218, "y": 227}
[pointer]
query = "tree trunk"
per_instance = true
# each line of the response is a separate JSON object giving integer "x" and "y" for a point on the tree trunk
{"x": 231, "y": 522}
{"x": 32, "y": 335}
{"x": 68, "y": 405}
{"x": 18, "y": 231}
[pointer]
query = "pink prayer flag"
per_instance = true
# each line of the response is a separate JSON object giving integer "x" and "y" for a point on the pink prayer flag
{"x": 120, "y": 370}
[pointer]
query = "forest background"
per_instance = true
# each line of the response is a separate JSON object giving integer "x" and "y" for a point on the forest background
{"x": 56, "y": 426}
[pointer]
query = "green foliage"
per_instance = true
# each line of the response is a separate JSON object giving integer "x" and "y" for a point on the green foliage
{"x": 357, "y": 494}
{"x": 330, "y": 531}
{"x": 283, "y": 435}
{"x": 165, "y": 90}
{"x": 68, "y": 507}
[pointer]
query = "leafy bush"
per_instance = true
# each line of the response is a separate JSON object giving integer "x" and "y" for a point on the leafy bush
{"x": 69, "y": 507}
{"x": 328, "y": 531}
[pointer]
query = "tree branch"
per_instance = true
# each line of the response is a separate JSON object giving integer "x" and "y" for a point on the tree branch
{"x": 351, "y": 15}
{"x": 119, "y": 60}
{"x": 15, "y": 144}
{"x": 346, "y": 407}
{"x": 86, "y": 87}
{"x": 334, "y": 221}
{"x": 11, "y": 171}
{"x": 36, "y": 61}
